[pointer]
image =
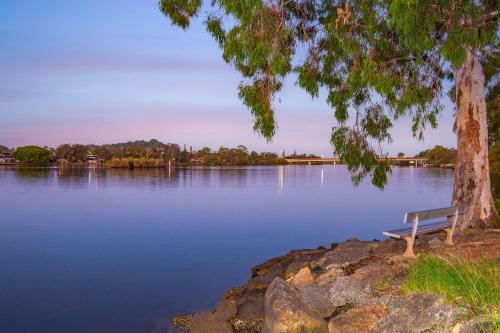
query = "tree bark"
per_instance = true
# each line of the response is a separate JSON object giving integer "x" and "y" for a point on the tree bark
{"x": 472, "y": 175}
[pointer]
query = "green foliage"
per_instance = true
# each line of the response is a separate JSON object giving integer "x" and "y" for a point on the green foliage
{"x": 180, "y": 11}
{"x": 439, "y": 155}
{"x": 135, "y": 149}
{"x": 375, "y": 60}
{"x": 72, "y": 153}
{"x": 32, "y": 154}
{"x": 151, "y": 153}
{"x": 470, "y": 284}
{"x": 236, "y": 156}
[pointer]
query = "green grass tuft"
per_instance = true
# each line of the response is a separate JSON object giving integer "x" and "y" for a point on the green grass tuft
{"x": 474, "y": 285}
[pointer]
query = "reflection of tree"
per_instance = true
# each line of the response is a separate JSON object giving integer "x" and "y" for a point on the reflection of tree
{"x": 32, "y": 174}
{"x": 72, "y": 177}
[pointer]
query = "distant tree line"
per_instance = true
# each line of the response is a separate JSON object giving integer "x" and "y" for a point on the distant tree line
{"x": 147, "y": 152}
{"x": 439, "y": 155}
{"x": 229, "y": 156}
{"x": 153, "y": 151}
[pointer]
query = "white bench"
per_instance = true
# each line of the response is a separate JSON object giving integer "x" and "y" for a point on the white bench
{"x": 408, "y": 234}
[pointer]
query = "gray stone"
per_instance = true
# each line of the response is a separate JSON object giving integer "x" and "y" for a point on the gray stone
{"x": 350, "y": 290}
{"x": 286, "y": 311}
{"x": 317, "y": 297}
{"x": 419, "y": 313}
{"x": 345, "y": 254}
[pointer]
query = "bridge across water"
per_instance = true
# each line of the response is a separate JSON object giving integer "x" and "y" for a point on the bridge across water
{"x": 414, "y": 161}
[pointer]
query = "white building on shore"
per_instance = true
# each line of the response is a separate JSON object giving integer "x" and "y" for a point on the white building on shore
{"x": 7, "y": 158}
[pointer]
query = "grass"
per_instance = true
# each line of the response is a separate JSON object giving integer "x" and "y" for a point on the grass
{"x": 473, "y": 285}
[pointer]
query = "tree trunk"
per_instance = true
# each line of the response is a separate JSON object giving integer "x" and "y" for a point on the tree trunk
{"x": 472, "y": 173}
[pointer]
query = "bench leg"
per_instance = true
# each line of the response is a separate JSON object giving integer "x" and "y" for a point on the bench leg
{"x": 449, "y": 236}
{"x": 409, "y": 248}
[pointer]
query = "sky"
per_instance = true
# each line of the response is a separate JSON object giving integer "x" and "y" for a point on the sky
{"x": 103, "y": 71}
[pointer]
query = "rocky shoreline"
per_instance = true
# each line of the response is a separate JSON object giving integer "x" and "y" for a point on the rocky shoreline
{"x": 354, "y": 286}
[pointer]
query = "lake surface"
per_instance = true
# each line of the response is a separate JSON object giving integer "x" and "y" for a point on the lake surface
{"x": 85, "y": 250}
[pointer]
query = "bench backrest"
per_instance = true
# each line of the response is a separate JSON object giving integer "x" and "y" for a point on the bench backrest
{"x": 434, "y": 213}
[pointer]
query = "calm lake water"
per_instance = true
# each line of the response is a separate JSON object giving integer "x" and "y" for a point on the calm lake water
{"x": 122, "y": 251}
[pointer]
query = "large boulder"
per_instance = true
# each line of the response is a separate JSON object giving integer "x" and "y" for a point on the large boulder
{"x": 350, "y": 290}
{"x": 286, "y": 311}
{"x": 420, "y": 313}
{"x": 316, "y": 295}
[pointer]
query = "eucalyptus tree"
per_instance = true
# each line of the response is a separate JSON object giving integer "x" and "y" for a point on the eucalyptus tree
{"x": 375, "y": 61}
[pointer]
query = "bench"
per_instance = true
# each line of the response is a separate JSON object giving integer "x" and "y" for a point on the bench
{"x": 408, "y": 234}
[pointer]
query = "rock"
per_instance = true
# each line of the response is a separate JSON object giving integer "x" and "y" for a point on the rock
{"x": 286, "y": 311}
{"x": 250, "y": 316}
{"x": 476, "y": 324}
{"x": 344, "y": 254}
{"x": 182, "y": 322}
{"x": 317, "y": 297}
{"x": 373, "y": 270}
{"x": 226, "y": 309}
{"x": 381, "y": 275}
{"x": 362, "y": 319}
{"x": 350, "y": 290}
{"x": 207, "y": 322}
{"x": 329, "y": 276}
{"x": 304, "y": 276}
{"x": 434, "y": 243}
{"x": 285, "y": 266}
{"x": 419, "y": 313}
{"x": 389, "y": 247}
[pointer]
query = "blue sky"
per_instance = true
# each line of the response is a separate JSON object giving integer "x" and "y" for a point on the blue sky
{"x": 110, "y": 71}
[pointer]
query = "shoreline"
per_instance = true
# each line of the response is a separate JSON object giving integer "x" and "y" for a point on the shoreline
{"x": 353, "y": 286}
{"x": 166, "y": 166}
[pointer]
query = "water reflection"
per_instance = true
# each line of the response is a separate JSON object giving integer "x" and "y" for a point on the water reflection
{"x": 31, "y": 175}
{"x": 237, "y": 177}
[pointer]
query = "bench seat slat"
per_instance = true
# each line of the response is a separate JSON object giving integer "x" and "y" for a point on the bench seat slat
{"x": 422, "y": 229}
{"x": 433, "y": 213}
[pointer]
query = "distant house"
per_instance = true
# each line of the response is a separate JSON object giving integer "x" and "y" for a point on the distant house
{"x": 7, "y": 158}
{"x": 199, "y": 160}
{"x": 93, "y": 159}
